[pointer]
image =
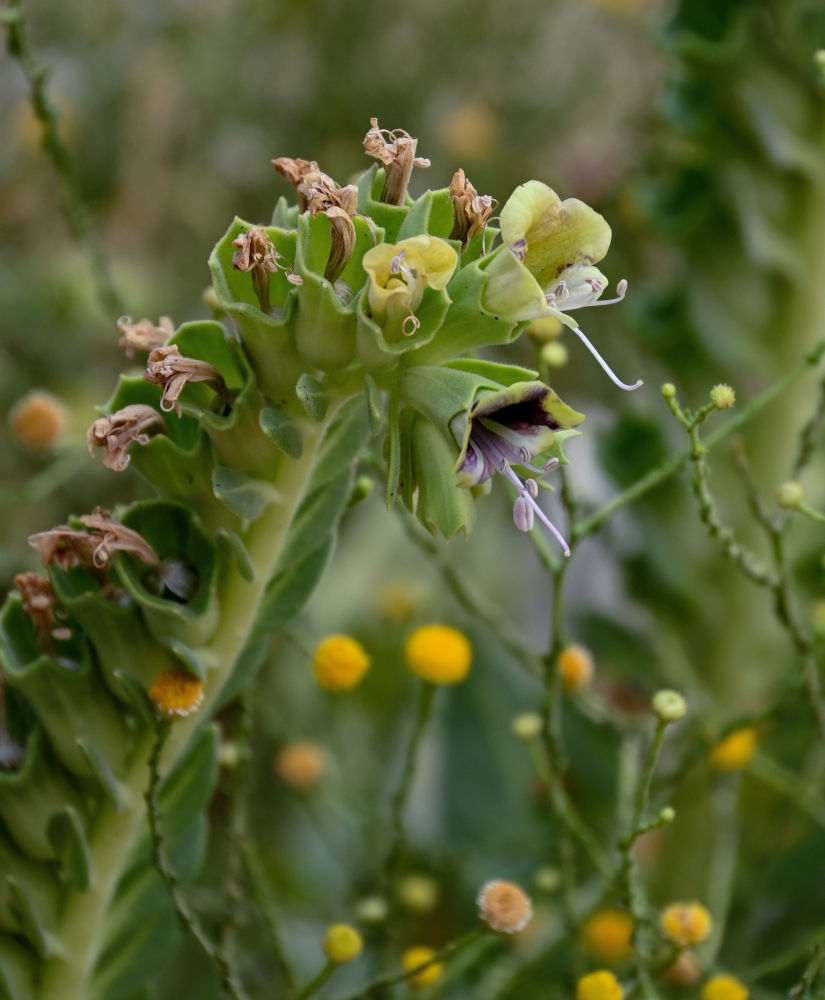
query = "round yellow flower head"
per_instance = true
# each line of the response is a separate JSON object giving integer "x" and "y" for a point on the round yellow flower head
{"x": 734, "y": 751}
{"x": 340, "y": 663}
{"x": 600, "y": 985}
{"x": 176, "y": 694}
{"x": 527, "y": 726}
{"x": 342, "y": 943}
{"x": 576, "y": 667}
{"x": 301, "y": 764}
{"x": 418, "y": 892}
{"x": 722, "y": 396}
{"x": 412, "y": 958}
{"x": 38, "y": 420}
{"x": 607, "y": 935}
{"x": 685, "y": 923}
{"x": 504, "y": 906}
{"x": 724, "y": 988}
{"x": 439, "y": 654}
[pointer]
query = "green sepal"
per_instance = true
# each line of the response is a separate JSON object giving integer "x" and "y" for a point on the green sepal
{"x": 267, "y": 338}
{"x": 442, "y": 506}
{"x": 511, "y": 293}
{"x": 284, "y": 215}
{"x": 493, "y": 370}
{"x": 37, "y": 881}
{"x": 231, "y": 545}
{"x": 31, "y": 795}
{"x": 468, "y": 324}
{"x": 176, "y": 535}
{"x": 244, "y": 495}
{"x": 378, "y": 354}
{"x": 70, "y": 700}
{"x": 280, "y": 428}
{"x": 237, "y": 436}
{"x": 27, "y": 920}
{"x": 312, "y": 396}
{"x": 389, "y": 217}
{"x": 374, "y": 409}
{"x": 99, "y": 768}
{"x": 192, "y": 662}
{"x": 17, "y": 970}
{"x": 440, "y": 393}
{"x": 68, "y": 841}
{"x": 432, "y": 213}
{"x": 556, "y": 449}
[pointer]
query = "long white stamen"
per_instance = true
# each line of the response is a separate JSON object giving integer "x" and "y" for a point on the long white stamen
{"x": 514, "y": 479}
{"x": 621, "y": 291}
{"x": 605, "y": 366}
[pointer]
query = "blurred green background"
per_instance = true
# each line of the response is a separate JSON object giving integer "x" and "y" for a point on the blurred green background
{"x": 698, "y": 130}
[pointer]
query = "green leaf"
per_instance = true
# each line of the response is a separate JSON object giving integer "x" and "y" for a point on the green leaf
{"x": 492, "y": 370}
{"x": 231, "y": 545}
{"x": 188, "y": 657}
{"x": 291, "y": 588}
{"x": 187, "y": 789}
{"x": 280, "y": 428}
{"x": 68, "y": 841}
{"x": 135, "y": 693}
{"x": 99, "y": 768}
{"x": 374, "y": 409}
{"x": 243, "y": 495}
{"x": 24, "y": 912}
{"x": 431, "y": 213}
{"x": 312, "y": 396}
{"x": 16, "y": 970}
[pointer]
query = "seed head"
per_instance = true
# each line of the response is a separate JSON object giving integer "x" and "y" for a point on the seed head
{"x": 438, "y": 654}
{"x": 722, "y": 397}
{"x": 504, "y": 906}
{"x": 340, "y": 663}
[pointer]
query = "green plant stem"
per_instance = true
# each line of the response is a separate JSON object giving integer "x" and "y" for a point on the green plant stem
{"x": 73, "y": 205}
{"x": 808, "y": 435}
{"x": 787, "y": 957}
{"x": 423, "y": 711}
{"x": 66, "y": 975}
{"x": 588, "y": 525}
{"x": 229, "y": 984}
{"x": 444, "y": 955}
{"x": 722, "y": 867}
{"x": 811, "y": 971}
{"x": 315, "y": 984}
{"x": 643, "y": 789}
{"x": 811, "y": 513}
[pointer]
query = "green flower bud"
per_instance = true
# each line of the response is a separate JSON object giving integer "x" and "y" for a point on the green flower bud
{"x": 789, "y": 495}
{"x": 722, "y": 397}
{"x": 669, "y": 706}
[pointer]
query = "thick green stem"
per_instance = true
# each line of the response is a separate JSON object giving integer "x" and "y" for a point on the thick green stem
{"x": 66, "y": 975}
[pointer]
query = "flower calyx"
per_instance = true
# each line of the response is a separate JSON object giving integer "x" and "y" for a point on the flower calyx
{"x": 255, "y": 252}
{"x": 168, "y": 368}
{"x": 396, "y": 151}
{"x": 116, "y": 432}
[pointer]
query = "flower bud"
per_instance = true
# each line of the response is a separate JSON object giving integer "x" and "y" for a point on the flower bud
{"x": 669, "y": 706}
{"x": 722, "y": 397}
{"x": 789, "y": 495}
{"x": 418, "y": 892}
{"x": 527, "y": 726}
{"x": 669, "y": 390}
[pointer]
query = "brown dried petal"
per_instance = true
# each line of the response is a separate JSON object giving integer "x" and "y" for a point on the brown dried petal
{"x": 398, "y": 157}
{"x": 111, "y": 536}
{"x": 254, "y": 249}
{"x": 471, "y": 210}
{"x": 38, "y": 604}
{"x": 144, "y": 335}
{"x": 168, "y": 368}
{"x": 114, "y": 433}
{"x": 64, "y": 546}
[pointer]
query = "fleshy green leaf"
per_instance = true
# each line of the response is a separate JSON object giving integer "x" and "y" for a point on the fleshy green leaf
{"x": 68, "y": 840}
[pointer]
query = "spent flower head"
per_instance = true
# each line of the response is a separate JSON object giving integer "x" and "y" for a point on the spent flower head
{"x": 168, "y": 368}
{"x": 115, "y": 433}
{"x": 471, "y": 210}
{"x": 143, "y": 335}
{"x": 504, "y": 906}
{"x": 38, "y": 420}
{"x": 396, "y": 151}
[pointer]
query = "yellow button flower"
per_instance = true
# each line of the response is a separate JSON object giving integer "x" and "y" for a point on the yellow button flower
{"x": 600, "y": 985}
{"x": 340, "y": 663}
{"x": 734, "y": 751}
{"x": 301, "y": 764}
{"x": 685, "y": 923}
{"x": 176, "y": 694}
{"x": 342, "y": 943}
{"x": 607, "y": 935}
{"x": 439, "y": 654}
{"x": 413, "y": 957}
{"x": 399, "y": 273}
{"x": 576, "y": 667}
{"x": 724, "y": 988}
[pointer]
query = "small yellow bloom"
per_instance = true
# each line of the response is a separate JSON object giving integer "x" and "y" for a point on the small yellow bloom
{"x": 600, "y": 985}
{"x": 734, "y": 751}
{"x": 504, "y": 906}
{"x": 607, "y": 935}
{"x": 413, "y": 957}
{"x": 576, "y": 667}
{"x": 724, "y": 988}
{"x": 418, "y": 892}
{"x": 176, "y": 694}
{"x": 439, "y": 654}
{"x": 301, "y": 764}
{"x": 340, "y": 663}
{"x": 685, "y": 923}
{"x": 38, "y": 420}
{"x": 722, "y": 396}
{"x": 342, "y": 943}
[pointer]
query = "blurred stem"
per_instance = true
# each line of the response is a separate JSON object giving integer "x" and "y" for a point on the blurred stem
{"x": 722, "y": 867}
{"x": 812, "y": 970}
{"x": 808, "y": 435}
{"x": 229, "y": 984}
{"x": 588, "y": 525}
{"x": 314, "y": 985}
{"x": 258, "y": 881}
{"x": 73, "y": 205}
{"x": 787, "y": 784}
{"x": 423, "y": 711}
{"x": 788, "y": 957}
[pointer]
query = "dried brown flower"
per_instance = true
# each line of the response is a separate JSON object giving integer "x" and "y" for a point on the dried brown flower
{"x": 255, "y": 252}
{"x": 396, "y": 150}
{"x": 471, "y": 210}
{"x": 168, "y": 368}
{"x": 114, "y": 433}
{"x": 144, "y": 335}
{"x": 68, "y": 547}
{"x": 38, "y": 603}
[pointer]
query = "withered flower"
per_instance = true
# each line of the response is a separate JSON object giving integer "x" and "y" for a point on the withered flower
{"x": 255, "y": 252}
{"x": 68, "y": 547}
{"x": 114, "y": 433}
{"x": 38, "y": 604}
{"x": 318, "y": 192}
{"x": 471, "y": 210}
{"x": 144, "y": 335}
{"x": 168, "y": 368}
{"x": 396, "y": 150}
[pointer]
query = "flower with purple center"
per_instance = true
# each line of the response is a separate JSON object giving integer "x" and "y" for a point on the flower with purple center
{"x": 511, "y": 428}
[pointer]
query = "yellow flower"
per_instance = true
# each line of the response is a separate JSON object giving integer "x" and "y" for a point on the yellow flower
{"x": 576, "y": 667}
{"x": 724, "y": 988}
{"x": 600, "y": 985}
{"x": 301, "y": 764}
{"x": 399, "y": 273}
{"x": 685, "y": 923}
{"x": 439, "y": 654}
{"x": 342, "y": 943}
{"x": 413, "y": 957}
{"x": 340, "y": 663}
{"x": 504, "y": 906}
{"x": 734, "y": 751}
{"x": 607, "y": 935}
{"x": 176, "y": 694}
{"x": 38, "y": 420}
